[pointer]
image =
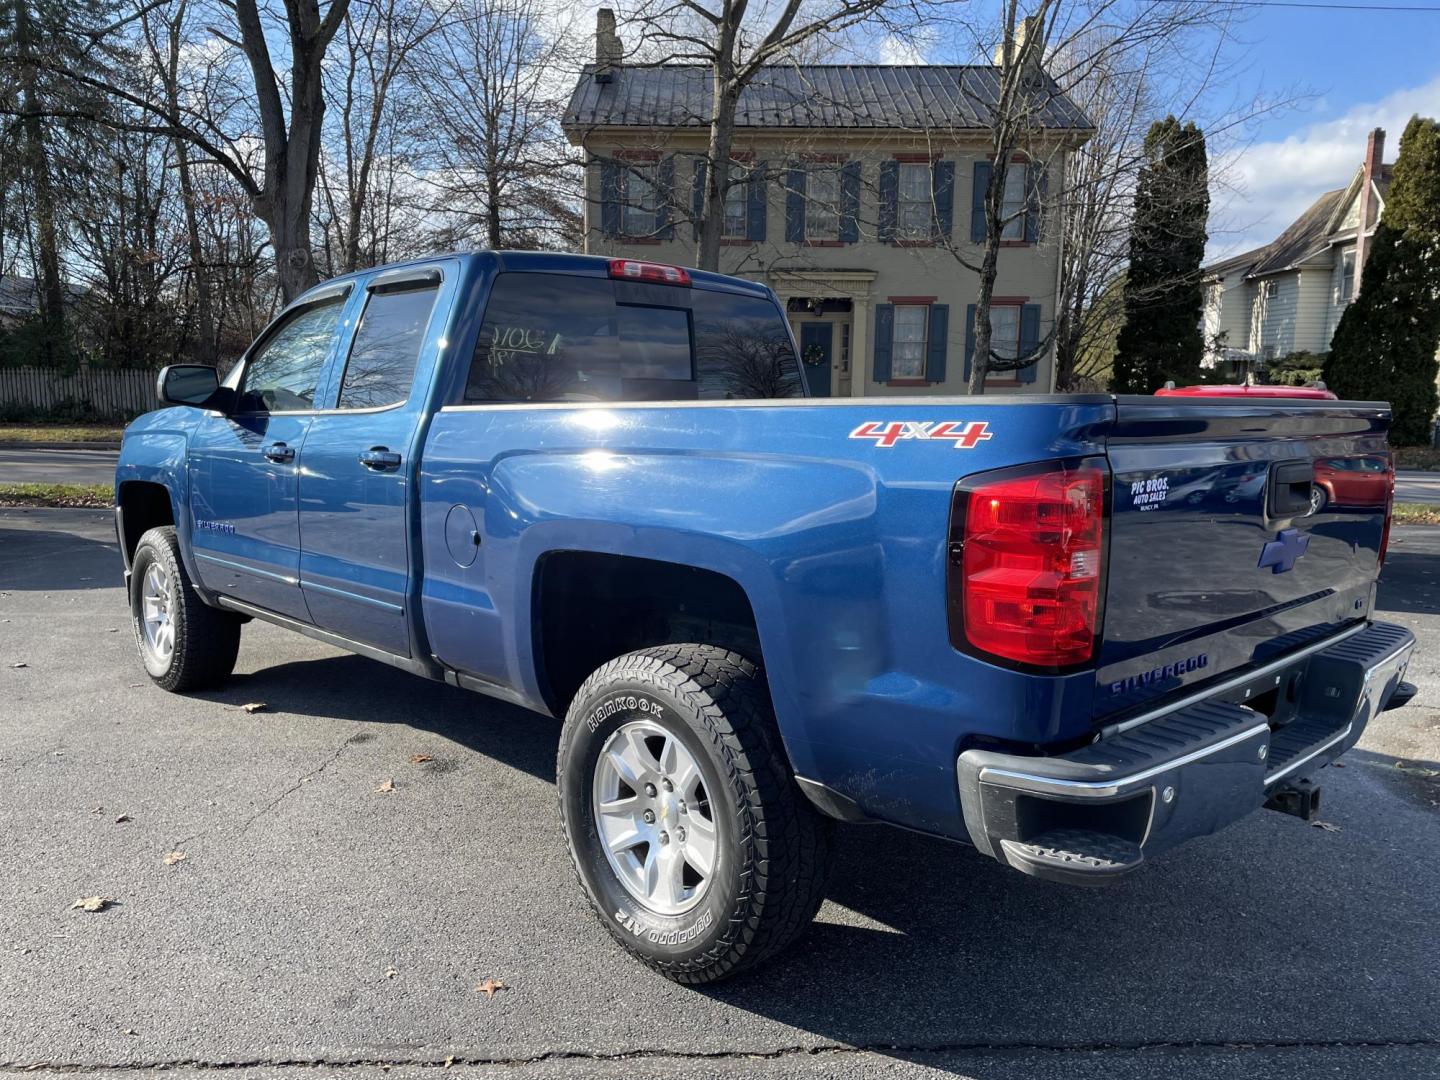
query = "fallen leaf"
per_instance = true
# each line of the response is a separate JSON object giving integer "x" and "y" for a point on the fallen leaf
{"x": 1326, "y": 825}
{"x": 390, "y": 972}
{"x": 122, "y": 819}
{"x": 450, "y": 1061}
{"x": 1416, "y": 769}
{"x": 253, "y": 706}
{"x": 420, "y": 759}
{"x": 113, "y": 630}
{"x": 490, "y": 986}
{"x": 175, "y": 857}
{"x": 387, "y": 786}
{"x": 93, "y": 903}
{"x": 20, "y": 664}
{"x": 1338, "y": 764}
{"x": 128, "y": 1031}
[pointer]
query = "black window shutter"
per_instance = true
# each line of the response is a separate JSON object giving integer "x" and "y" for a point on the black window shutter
{"x": 937, "y": 343}
{"x": 884, "y": 333}
{"x": 610, "y": 198}
{"x": 1029, "y": 339}
{"x": 850, "y": 202}
{"x": 969, "y": 338}
{"x": 664, "y": 196}
{"x": 978, "y": 191}
{"x": 795, "y": 206}
{"x": 755, "y": 197}
{"x": 889, "y": 199}
{"x": 698, "y": 211}
{"x": 943, "y": 179}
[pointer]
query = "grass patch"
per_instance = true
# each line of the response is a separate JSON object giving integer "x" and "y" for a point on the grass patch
{"x": 1417, "y": 513}
{"x": 45, "y": 433}
{"x": 1424, "y": 458}
{"x": 97, "y": 496}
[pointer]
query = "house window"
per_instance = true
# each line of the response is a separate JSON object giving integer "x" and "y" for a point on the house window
{"x": 737, "y": 218}
{"x": 1347, "y": 276}
{"x": 915, "y": 201}
{"x": 1013, "y": 210}
{"x": 1004, "y": 339}
{"x": 907, "y": 357}
{"x": 822, "y": 201}
{"x": 637, "y": 196}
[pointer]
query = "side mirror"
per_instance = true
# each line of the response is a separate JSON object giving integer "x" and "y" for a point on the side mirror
{"x": 187, "y": 384}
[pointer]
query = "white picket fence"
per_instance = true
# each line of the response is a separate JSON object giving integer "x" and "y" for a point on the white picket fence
{"x": 112, "y": 393}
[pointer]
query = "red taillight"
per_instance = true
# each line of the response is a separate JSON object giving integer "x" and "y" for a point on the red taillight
{"x": 659, "y": 273}
{"x": 1389, "y": 504}
{"x": 1028, "y": 565}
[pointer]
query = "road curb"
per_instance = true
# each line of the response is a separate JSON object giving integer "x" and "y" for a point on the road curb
{"x": 59, "y": 446}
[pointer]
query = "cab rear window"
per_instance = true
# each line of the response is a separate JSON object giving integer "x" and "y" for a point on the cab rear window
{"x": 552, "y": 337}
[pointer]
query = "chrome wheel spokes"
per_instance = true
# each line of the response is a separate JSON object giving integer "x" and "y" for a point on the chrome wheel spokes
{"x": 654, "y": 817}
{"x": 157, "y": 605}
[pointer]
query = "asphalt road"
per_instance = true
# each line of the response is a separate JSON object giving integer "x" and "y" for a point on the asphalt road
{"x": 316, "y": 921}
{"x": 98, "y": 467}
{"x": 24, "y": 466}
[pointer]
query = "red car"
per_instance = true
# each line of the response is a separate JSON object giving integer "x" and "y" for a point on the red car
{"x": 1351, "y": 481}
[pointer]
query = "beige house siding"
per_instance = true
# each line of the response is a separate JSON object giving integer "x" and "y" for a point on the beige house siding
{"x": 1312, "y": 309}
{"x": 867, "y": 272}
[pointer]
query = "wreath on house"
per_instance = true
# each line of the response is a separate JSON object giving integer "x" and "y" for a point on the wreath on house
{"x": 813, "y": 355}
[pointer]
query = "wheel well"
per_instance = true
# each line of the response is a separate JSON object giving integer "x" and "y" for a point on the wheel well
{"x": 591, "y": 608}
{"x": 144, "y": 506}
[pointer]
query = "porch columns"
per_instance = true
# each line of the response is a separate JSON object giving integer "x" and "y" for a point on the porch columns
{"x": 860, "y": 345}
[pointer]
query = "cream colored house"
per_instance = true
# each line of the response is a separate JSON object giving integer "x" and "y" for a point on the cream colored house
{"x": 1288, "y": 296}
{"x": 862, "y": 184}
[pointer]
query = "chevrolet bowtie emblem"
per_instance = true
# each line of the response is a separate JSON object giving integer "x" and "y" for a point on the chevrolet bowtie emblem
{"x": 1282, "y": 553}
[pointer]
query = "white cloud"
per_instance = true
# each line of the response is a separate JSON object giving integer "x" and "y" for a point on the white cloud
{"x": 908, "y": 48}
{"x": 1266, "y": 186}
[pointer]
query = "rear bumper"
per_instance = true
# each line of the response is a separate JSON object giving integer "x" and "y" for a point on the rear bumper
{"x": 1094, "y": 814}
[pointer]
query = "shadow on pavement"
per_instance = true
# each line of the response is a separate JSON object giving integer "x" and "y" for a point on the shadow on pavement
{"x": 47, "y": 560}
{"x": 1410, "y": 583}
{"x": 353, "y": 688}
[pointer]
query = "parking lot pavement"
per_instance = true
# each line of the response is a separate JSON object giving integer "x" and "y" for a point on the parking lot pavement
{"x": 316, "y": 920}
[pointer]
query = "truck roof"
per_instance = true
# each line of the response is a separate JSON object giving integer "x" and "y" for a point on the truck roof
{"x": 560, "y": 262}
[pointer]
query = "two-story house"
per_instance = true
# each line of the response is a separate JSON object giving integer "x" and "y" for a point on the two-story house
{"x": 860, "y": 186}
{"x": 1288, "y": 296}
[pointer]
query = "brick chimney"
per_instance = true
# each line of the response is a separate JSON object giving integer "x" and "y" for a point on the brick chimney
{"x": 1025, "y": 48}
{"x": 1374, "y": 159}
{"x": 608, "y": 50}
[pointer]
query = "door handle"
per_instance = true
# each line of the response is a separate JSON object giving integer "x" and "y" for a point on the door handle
{"x": 278, "y": 451}
{"x": 377, "y": 457}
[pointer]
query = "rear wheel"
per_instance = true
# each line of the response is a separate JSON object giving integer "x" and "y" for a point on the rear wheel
{"x": 687, "y": 831}
{"x": 184, "y": 643}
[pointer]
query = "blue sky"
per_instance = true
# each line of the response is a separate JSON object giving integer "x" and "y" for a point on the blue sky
{"x": 1356, "y": 70}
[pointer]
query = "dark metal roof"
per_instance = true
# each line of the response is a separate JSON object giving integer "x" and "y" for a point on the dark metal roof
{"x": 916, "y": 97}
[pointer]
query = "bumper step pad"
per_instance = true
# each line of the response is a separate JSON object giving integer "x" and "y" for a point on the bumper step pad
{"x": 1076, "y": 856}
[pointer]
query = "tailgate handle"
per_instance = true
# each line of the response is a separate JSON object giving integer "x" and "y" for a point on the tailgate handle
{"x": 1290, "y": 483}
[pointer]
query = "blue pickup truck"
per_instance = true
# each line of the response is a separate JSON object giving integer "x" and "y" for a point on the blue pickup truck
{"x": 1071, "y": 631}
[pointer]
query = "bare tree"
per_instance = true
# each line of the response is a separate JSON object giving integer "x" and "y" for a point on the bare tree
{"x": 493, "y": 98}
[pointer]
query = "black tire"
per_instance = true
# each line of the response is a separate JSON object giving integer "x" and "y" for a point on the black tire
{"x": 1319, "y": 499}
{"x": 773, "y": 847}
{"x": 206, "y": 640}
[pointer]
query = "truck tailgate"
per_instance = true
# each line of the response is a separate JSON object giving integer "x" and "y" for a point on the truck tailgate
{"x": 1219, "y": 556}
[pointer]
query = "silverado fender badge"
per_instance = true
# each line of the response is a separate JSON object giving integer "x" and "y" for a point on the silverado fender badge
{"x": 963, "y": 436}
{"x": 1282, "y": 553}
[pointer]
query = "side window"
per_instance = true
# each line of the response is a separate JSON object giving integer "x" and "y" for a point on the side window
{"x": 742, "y": 348}
{"x": 284, "y": 374}
{"x": 387, "y": 346}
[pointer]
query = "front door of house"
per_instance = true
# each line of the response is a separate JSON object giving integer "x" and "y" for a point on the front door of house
{"x": 817, "y": 341}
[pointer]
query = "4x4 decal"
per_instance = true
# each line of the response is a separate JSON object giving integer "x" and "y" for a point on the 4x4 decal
{"x": 963, "y": 436}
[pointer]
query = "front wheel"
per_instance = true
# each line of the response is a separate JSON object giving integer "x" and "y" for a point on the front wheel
{"x": 184, "y": 643}
{"x": 687, "y": 831}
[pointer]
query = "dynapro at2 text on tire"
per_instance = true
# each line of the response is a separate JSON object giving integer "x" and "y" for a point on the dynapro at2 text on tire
{"x": 687, "y": 831}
